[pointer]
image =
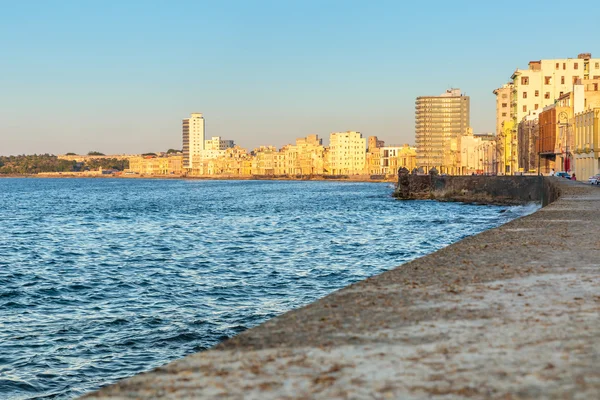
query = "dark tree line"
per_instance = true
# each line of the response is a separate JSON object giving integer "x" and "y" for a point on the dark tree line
{"x": 36, "y": 163}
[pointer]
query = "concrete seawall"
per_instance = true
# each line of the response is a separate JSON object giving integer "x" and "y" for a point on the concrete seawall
{"x": 478, "y": 189}
{"x": 510, "y": 313}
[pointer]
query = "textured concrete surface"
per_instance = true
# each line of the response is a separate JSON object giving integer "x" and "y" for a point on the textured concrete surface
{"x": 476, "y": 189}
{"x": 511, "y": 313}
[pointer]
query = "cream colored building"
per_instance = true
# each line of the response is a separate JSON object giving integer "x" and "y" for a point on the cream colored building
{"x": 193, "y": 138}
{"x": 216, "y": 143}
{"x": 478, "y": 153}
{"x": 440, "y": 123}
{"x": 347, "y": 153}
{"x": 546, "y": 80}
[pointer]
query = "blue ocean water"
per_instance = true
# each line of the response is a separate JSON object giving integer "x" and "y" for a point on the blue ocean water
{"x": 101, "y": 279}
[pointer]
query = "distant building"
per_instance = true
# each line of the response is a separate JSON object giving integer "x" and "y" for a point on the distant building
{"x": 440, "y": 123}
{"x": 478, "y": 153}
{"x": 347, "y": 153}
{"x": 373, "y": 160}
{"x": 503, "y": 119}
{"x": 150, "y": 165}
{"x": 393, "y": 157}
{"x": 310, "y": 155}
{"x": 528, "y": 133}
{"x": 216, "y": 143}
{"x": 193, "y": 139}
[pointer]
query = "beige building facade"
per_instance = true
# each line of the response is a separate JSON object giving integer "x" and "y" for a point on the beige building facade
{"x": 153, "y": 166}
{"x": 478, "y": 154}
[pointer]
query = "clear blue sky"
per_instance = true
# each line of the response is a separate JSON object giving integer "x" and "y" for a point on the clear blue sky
{"x": 118, "y": 76}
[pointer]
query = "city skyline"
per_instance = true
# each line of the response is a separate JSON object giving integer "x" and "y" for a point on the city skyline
{"x": 119, "y": 77}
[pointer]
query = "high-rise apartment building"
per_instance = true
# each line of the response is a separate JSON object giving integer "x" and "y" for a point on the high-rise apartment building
{"x": 347, "y": 153}
{"x": 440, "y": 122}
{"x": 193, "y": 138}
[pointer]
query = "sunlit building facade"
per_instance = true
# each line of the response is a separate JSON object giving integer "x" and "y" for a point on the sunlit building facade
{"x": 440, "y": 123}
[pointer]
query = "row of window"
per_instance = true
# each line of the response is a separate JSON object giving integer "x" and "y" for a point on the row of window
{"x": 548, "y": 81}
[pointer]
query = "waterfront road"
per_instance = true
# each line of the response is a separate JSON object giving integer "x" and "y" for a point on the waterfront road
{"x": 511, "y": 313}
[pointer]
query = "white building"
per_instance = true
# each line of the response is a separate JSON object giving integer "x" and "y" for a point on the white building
{"x": 193, "y": 139}
{"x": 347, "y": 153}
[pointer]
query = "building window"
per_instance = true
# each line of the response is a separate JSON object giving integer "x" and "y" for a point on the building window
{"x": 575, "y": 79}
{"x": 504, "y": 114}
{"x": 564, "y": 66}
{"x": 537, "y": 93}
{"x": 547, "y": 95}
{"x": 524, "y": 80}
{"x": 557, "y": 64}
{"x": 597, "y": 65}
{"x": 504, "y": 95}
{"x": 504, "y": 105}
{"x": 536, "y": 106}
{"x": 560, "y": 95}
{"x": 524, "y": 108}
{"x": 562, "y": 80}
{"x": 595, "y": 87}
{"x": 524, "y": 95}
{"x": 547, "y": 80}
{"x": 576, "y": 66}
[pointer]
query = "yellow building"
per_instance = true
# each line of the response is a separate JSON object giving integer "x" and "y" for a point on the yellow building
{"x": 267, "y": 161}
{"x": 503, "y": 115}
{"x": 587, "y": 143}
{"x": 347, "y": 155}
{"x": 311, "y": 154}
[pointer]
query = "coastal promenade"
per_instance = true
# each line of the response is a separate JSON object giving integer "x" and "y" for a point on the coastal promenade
{"x": 510, "y": 313}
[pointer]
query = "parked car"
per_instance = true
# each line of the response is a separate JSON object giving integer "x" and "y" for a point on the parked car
{"x": 594, "y": 180}
{"x": 563, "y": 175}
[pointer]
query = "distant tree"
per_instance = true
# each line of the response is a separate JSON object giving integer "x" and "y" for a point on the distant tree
{"x": 148, "y": 154}
{"x": 33, "y": 164}
{"x": 171, "y": 151}
{"x": 106, "y": 163}
{"x": 70, "y": 154}
{"x": 95, "y": 153}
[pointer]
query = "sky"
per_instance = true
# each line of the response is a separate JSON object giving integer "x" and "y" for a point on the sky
{"x": 119, "y": 76}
